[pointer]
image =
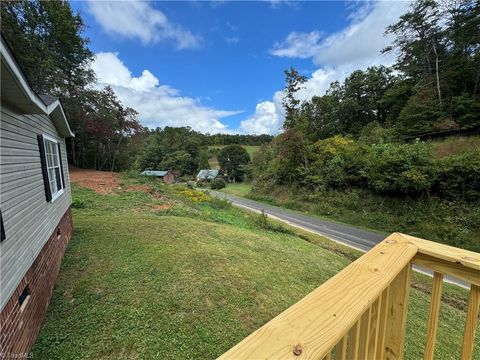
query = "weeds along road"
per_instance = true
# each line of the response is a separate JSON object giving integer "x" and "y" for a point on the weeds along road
{"x": 359, "y": 239}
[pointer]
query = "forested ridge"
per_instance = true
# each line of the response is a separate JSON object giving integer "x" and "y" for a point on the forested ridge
{"x": 433, "y": 86}
{"x": 362, "y": 148}
{"x": 361, "y": 153}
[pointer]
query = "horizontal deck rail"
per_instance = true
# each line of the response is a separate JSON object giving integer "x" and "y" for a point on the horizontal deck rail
{"x": 361, "y": 312}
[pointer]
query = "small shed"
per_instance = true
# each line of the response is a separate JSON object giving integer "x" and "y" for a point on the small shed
{"x": 207, "y": 175}
{"x": 167, "y": 176}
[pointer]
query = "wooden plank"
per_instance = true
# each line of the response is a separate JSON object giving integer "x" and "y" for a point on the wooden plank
{"x": 318, "y": 321}
{"x": 375, "y": 328}
{"x": 380, "y": 352}
{"x": 365, "y": 334}
{"x": 448, "y": 268}
{"x": 354, "y": 338}
{"x": 433, "y": 316}
{"x": 468, "y": 259}
{"x": 471, "y": 322}
{"x": 341, "y": 349}
{"x": 397, "y": 309}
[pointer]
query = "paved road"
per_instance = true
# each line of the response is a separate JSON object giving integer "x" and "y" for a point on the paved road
{"x": 357, "y": 238}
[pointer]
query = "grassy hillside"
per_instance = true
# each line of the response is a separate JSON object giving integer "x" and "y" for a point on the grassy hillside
{"x": 455, "y": 145}
{"x": 157, "y": 272}
{"x": 213, "y": 162}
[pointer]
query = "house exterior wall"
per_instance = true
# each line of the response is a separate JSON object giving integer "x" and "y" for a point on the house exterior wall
{"x": 20, "y": 325}
{"x": 29, "y": 220}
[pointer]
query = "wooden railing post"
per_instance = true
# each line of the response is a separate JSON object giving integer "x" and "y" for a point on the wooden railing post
{"x": 397, "y": 310}
{"x": 471, "y": 322}
{"x": 433, "y": 316}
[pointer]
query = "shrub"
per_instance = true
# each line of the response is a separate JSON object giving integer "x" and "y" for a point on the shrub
{"x": 217, "y": 184}
{"x": 399, "y": 169}
{"x": 336, "y": 163}
{"x": 219, "y": 204}
{"x": 458, "y": 176}
{"x": 191, "y": 194}
{"x": 261, "y": 220}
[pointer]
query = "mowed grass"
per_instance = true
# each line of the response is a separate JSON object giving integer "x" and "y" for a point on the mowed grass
{"x": 189, "y": 281}
{"x": 237, "y": 189}
{"x": 213, "y": 161}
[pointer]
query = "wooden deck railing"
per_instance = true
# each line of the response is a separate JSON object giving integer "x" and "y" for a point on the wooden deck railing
{"x": 361, "y": 312}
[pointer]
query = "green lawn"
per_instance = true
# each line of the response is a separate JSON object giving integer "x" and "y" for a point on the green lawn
{"x": 175, "y": 275}
{"x": 238, "y": 189}
{"x": 213, "y": 162}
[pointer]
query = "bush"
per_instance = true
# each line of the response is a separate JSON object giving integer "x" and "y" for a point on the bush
{"x": 217, "y": 184}
{"x": 261, "y": 220}
{"x": 400, "y": 169}
{"x": 336, "y": 163}
{"x": 458, "y": 176}
{"x": 219, "y": 204}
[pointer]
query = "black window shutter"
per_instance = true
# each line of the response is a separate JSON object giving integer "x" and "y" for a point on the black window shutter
{"x": 2, "y": 229}
{"x": 43, "y": 158}
{"x": 61, "y": 164}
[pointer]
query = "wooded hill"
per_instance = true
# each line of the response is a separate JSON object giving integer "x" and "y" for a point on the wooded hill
{"x": 433, "y": 87}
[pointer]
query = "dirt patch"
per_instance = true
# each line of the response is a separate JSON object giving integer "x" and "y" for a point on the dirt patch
{"x": 149, "y": 190}
{"x": 144, "y": 188}
{"x": 162, "y": 207}
{"x": 102, "y": 182}
{"x": 105, "y": 182}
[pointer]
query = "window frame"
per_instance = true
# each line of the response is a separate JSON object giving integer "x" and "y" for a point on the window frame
{"x": 56, "y": 153}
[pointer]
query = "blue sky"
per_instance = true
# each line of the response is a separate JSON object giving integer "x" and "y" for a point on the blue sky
{"x": 218, "y": 66}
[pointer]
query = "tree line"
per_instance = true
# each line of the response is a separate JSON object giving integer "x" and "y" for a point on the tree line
{"x": 433, "y": 86}
{"x": 353, "y": 136}
{"x": 46, "y": 38}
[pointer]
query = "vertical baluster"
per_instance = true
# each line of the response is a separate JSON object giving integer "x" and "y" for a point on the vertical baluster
{"x": 365, "y": 334}
{"x": 433, "y": 316}
{"x": 397, "y": 309}
{"x": 471, "y": 322}
{"x": 354, "y": 338}
{"x": 375, "y": 328}
{"x": 341, "y": 349}
{"x": 380, "y": 351}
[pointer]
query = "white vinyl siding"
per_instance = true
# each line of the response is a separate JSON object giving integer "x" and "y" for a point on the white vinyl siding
{"x": 29, "y": 220}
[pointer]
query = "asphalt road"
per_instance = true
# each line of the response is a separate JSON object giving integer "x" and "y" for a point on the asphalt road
{"x": 359, "y": 239}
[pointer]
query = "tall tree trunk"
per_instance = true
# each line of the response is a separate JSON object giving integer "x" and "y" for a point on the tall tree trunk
{"x": 437, "y": 75}
{"x": 72, "y": 151}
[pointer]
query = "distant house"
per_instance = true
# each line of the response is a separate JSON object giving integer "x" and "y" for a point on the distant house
{"x": 168, "y": 176}
{"x": 35, "y": 217}
{"x": 207, "y": 175}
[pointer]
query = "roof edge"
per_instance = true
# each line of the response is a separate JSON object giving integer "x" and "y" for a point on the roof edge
{"x": 54, "y": 110}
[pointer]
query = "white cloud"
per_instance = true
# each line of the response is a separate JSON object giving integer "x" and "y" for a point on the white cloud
{"x": 158, "y": 105}
{"x": 265, "y": 120}
{"x": 357, "y": 46}
{"x": 275, "y": 4}
{"x": 232, "y": 40}
{"x": 140, "y": 20}
{"x": 298, "y": 45}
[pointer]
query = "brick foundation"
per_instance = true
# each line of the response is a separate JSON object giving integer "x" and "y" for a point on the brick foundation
{"x": 20, "y": 325}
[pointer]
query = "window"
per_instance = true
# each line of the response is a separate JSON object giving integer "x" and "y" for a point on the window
{"x": 52, "y": 167}
{"x": 2, "y": 229}
{"x": 24, "y": 297}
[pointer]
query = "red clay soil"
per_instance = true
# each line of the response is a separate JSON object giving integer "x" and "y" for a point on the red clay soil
{"x": 103, "y": 182}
